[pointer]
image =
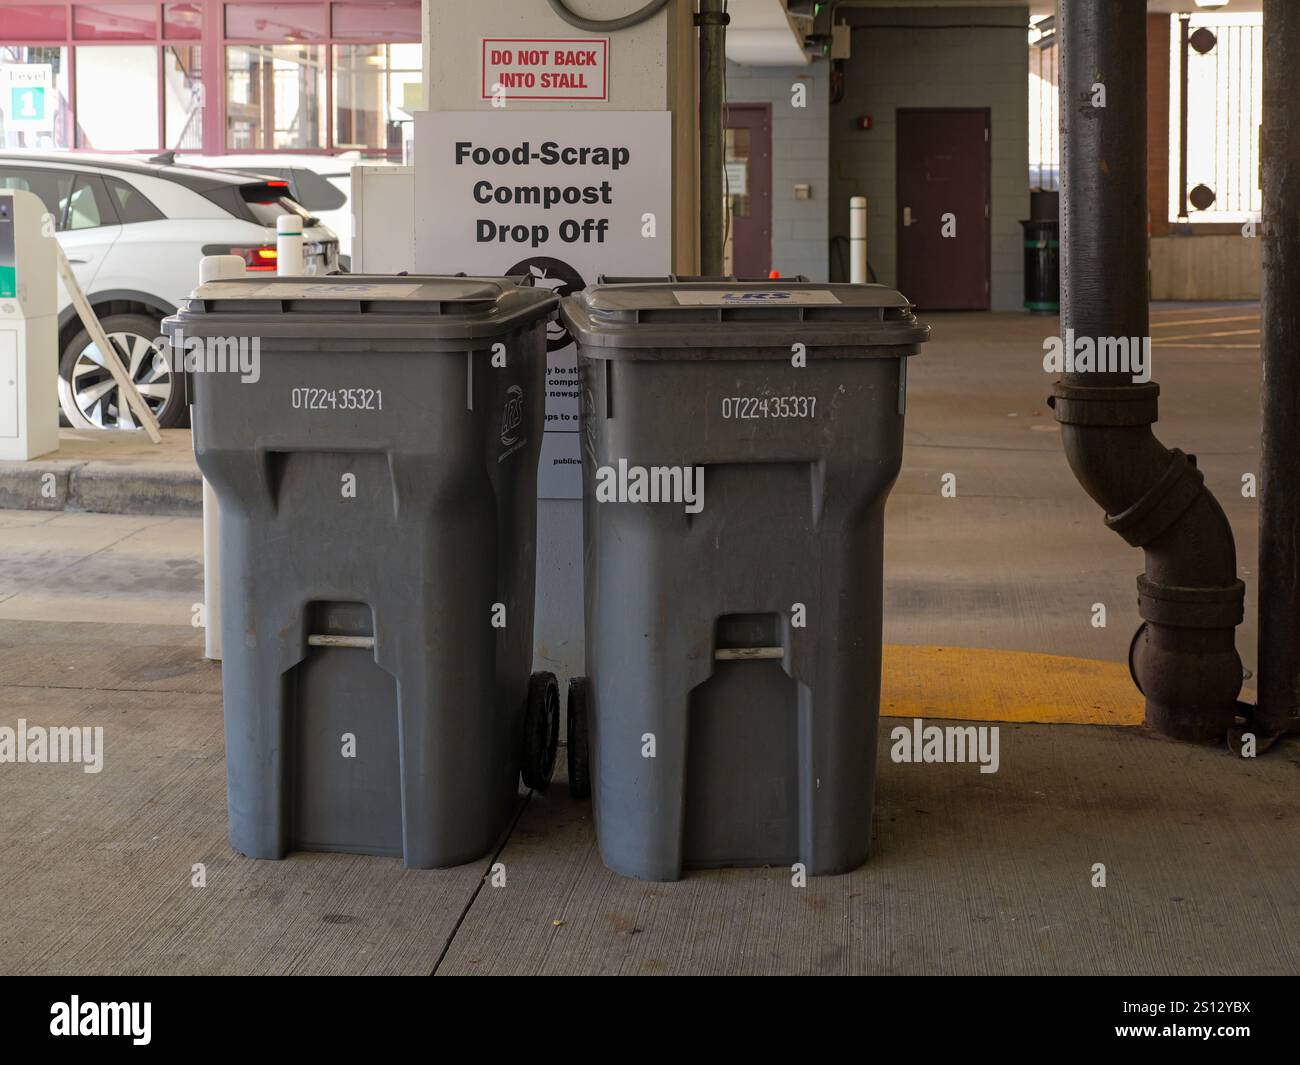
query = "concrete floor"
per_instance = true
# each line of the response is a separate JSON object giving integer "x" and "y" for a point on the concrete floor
{"x": 107, "y": 473}
{"x": 970, "y": 872}
{"x": 1017, "y": 559}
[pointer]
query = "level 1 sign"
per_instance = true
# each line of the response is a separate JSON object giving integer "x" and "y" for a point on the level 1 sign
{"x": 25, "y": 95}
{"x": 559, "y": 196}
{"x": 516, "y": 68}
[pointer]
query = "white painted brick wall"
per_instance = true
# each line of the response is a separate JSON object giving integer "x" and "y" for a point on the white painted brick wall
{"x": 893, "y": 68}
{"x": 800, "y": 155}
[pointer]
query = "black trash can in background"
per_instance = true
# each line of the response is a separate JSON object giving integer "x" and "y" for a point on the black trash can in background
{"x": 1042, "y": 265}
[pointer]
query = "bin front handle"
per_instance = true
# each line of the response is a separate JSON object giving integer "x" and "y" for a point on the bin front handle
{"x": 325, "y": 640}
{"x": 747, "y": 654}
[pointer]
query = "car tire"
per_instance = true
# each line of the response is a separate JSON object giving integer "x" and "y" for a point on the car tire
{"x": 88, "y": 395}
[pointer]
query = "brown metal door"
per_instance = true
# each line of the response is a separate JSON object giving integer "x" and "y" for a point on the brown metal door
{"x": 747, "y": 189}
{"x": 943, "y": 208}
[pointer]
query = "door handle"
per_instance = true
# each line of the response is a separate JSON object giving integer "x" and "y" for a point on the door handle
{"x": 79, "y": 261}
{"x": 907, "y": 216}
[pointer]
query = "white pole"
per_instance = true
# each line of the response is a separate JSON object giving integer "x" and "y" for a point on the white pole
{"x": 212, "y": 268}
{"x": 858, "y": 240}
{"x": 288, "y": 245}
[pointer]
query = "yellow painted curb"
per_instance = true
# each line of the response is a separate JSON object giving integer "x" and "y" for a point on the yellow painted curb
{"x": 977, "y": 684}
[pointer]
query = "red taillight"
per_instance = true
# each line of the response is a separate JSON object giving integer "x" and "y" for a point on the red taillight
{"x": 273, "y": 197}
{"x": 263, "y": 258}
{"x": 264, "y": 192}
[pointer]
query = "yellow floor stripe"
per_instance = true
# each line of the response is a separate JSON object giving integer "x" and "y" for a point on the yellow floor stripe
{"x": 1204, "y": 308}
{"x": 1205, "y": 336}
{"x": 976, "y": 684}
{"x": 1208, "y": 321}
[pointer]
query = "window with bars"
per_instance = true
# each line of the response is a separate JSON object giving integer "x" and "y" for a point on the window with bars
{"x": 1044, "y": 106}
{"x": 1215, "y": 111}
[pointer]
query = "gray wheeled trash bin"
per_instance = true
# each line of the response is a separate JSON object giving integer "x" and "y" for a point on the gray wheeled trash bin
{"x": 378, "y": 484}
{"x": 733, "y": 648}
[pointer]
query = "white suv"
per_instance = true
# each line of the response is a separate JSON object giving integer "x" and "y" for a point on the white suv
{"x": 134, "y": 233}
{"x": 321, "y": 183}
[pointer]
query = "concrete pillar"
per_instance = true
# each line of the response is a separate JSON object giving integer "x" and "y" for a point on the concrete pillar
{"x": 1279, "y": 483}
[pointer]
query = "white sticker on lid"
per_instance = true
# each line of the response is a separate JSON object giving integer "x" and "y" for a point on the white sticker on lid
{"x": 353, "y": 291}
{"x": 754, "y": 296}
{"x": 316, "y": 291}
{"x": 229, "y": 289}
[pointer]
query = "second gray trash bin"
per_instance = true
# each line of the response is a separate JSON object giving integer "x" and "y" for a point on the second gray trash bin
{"x": 733, "y": 641}
{"x": 378, "y": 479}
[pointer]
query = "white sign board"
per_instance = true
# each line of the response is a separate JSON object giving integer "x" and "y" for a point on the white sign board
{"x": 737, "y": 178}
{"x": 519, "y": 68}
{"x": 27, "y": 96}
{"x": 562, "y": 195}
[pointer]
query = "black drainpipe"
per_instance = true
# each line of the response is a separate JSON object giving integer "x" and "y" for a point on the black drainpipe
{"x": 1183, "y": 657}
{"x": 712, "y": 20}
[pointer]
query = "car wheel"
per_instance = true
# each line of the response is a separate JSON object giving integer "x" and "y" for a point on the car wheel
{"x": 90, "y": 396}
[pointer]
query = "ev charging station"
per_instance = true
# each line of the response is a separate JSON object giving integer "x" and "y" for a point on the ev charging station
{"x": 29, "y": 399}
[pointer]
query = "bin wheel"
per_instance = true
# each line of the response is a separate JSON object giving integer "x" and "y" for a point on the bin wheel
{"x": 579, "y": 756}
{"x": 1132, "y": 651}
{"x": 541, "y": 730}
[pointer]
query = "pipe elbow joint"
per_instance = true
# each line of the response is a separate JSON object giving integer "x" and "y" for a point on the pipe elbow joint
{"x": 1183, "y": 657}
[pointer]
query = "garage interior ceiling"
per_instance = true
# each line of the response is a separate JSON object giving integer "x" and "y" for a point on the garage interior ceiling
{"x": 763, "y": 32}
{"x": 1045, "y": 7}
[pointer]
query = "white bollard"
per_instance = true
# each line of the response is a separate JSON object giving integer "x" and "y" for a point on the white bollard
{"x": 218, "y": 267}
{"x": 288, "y": 246}
{"x": 213, "y": 268}
{"x": 858, "y": 240}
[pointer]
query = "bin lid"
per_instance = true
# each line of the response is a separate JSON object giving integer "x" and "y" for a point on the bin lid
{"x": 680, "y": 318}
{"x": 352, "y": 306}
